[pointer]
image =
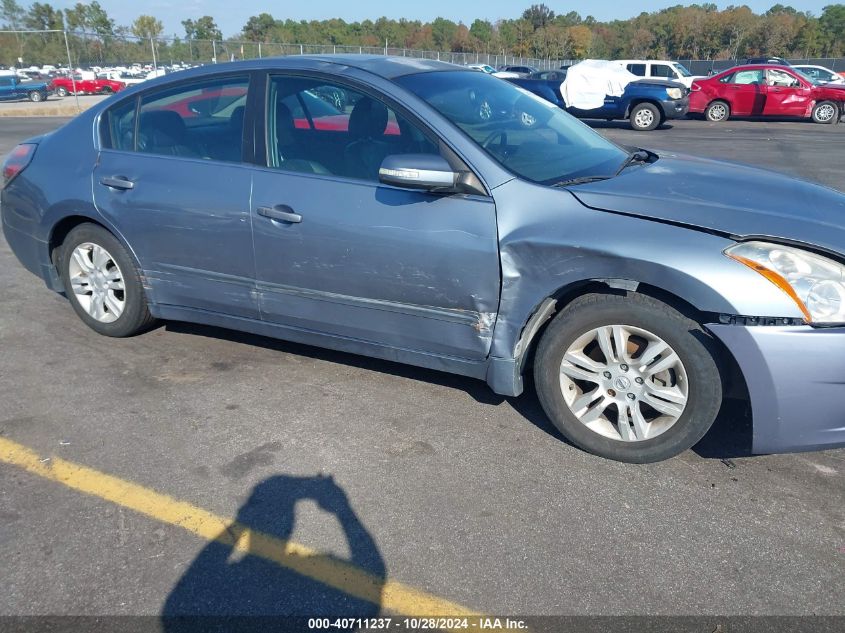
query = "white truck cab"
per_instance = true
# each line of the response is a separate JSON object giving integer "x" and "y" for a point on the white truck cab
{"x": 659, "y": 69}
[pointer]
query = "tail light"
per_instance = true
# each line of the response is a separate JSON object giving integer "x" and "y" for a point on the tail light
{"x": 694, "y": 87}
{"x": 17, "y": 161}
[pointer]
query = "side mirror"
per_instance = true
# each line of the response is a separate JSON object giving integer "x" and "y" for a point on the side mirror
{"x": 418, "y": 171}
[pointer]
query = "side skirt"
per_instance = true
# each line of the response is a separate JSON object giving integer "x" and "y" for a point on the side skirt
{"x": 463, "y": 367}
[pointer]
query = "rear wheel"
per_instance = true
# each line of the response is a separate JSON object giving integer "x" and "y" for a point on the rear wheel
{"x": 645, "y": 117}
{"x": 718, "y": 111}
{"x": 627, "y": 377}
{"x": 103, "y": 283}
{"x": 61, "y": 91}
{"x": 825, "y": 112}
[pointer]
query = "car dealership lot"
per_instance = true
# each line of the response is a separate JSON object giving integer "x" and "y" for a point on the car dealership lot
{"x": 465, "y": 495}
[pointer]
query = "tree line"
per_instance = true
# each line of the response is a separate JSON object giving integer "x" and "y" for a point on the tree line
{"x": 698, "y": 31}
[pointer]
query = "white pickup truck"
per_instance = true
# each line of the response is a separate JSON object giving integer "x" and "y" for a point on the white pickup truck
{"x": 659, "y": 68}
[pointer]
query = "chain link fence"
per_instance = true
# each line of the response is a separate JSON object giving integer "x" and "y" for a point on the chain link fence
{"x": 88, "y": 49}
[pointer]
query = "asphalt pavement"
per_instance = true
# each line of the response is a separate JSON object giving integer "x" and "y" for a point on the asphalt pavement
{"x": 426, "y": 479}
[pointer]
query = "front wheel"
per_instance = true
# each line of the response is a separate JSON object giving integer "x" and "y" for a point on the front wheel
{"x": 825, "y": 112}
{"x": 103, "y": 283}
{"x": 62, "y": 92}
{"x": 627, "y": 377}
{"x": 106, "y": 90}
{"x": 36, "y": 96}
{"x": 645, "y": 117}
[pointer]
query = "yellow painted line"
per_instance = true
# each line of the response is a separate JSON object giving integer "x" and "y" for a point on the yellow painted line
{"x": 392, "y": 596}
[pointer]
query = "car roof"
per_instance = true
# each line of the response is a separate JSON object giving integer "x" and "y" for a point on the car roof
{"x": 383, "y": 66}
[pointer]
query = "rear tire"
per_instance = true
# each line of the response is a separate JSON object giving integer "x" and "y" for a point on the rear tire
{"x": 645, "y": 117}
{"x": 102, "y": 282}
{"x": 609, "y": 412}
{"x": 825, "y": 112}
{"x": 718, "y": 111}
{"x": 62, "y": 91}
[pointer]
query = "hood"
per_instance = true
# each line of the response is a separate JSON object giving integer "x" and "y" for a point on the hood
{"x": 727, "y": 198}
{"x": 666, "y": 83}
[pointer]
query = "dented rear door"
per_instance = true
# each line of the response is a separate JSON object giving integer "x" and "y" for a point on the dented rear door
{"x": 395, "y": 267}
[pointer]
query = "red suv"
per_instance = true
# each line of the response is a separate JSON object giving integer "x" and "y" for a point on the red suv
{"x": 765, "y": 90}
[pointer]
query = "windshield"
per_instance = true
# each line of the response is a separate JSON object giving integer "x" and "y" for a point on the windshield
{"x": 683, "y": 70}
{"x": 806, "y": 77}
{"x": 526, "y": 134}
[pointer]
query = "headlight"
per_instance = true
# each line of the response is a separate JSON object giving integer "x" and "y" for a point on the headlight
{"x": 815, "y": 283}
{"x": 674, "y": 93}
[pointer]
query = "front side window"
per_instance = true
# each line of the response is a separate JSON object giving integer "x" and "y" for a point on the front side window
{"x": 528, "y": 135}
{"x": 683, "y": 71}
{"x": 202, "y": 120}
{"x": 637, "y": 69}
{"x": 781, "y": 78}
{"x": 320, "y": 127}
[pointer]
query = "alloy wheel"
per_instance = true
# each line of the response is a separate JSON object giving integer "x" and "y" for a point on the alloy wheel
{"x": 624, "y": 383}
{"x": 825, "y": 112}
{"x": 97, "y": 282}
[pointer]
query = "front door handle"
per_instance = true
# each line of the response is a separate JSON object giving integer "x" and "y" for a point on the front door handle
{"x": 117, "y": 182}
{"x": 281, "y": 212}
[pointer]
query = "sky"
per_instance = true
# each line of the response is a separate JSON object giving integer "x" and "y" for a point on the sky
{"x": 231, "y": 15}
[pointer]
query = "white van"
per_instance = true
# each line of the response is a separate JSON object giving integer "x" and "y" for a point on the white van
{"x": 659, "y": 68}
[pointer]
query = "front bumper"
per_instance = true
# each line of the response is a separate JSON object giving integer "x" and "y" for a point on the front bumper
{"x": 675, "y": 108}
{"x": 796, "y": 383}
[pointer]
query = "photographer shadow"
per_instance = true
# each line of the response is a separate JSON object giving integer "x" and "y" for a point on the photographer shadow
{"x": 251, "y": 578}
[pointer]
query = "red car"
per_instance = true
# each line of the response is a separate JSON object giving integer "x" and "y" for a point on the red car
{"x": 766, "y": 90}
{"x": 64, "y": 86}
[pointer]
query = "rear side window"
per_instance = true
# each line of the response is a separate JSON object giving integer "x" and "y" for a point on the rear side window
{"x": 120, "y": 122}
{"x": 747, "y": 77}
{"x": 202, "y": 120}
{"x": 662, "y": 70}
{"x": 637, "y": 69}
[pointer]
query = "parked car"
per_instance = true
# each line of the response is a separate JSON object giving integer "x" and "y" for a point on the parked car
{"x": 659, "y": 68}
{"x": 63, "y": 86}
{"x": 522, "y": 71}
{"x": 638, "y": 286}
{"x": 549, "y": 75}
{"x": 821, "y": 74}
{"x": 646, "y": 103}
{"x": 13, "y": 88}
{"x": 485, "y": 68}
{"x": 765, "y": 91}
{"x": 778, "y": 61}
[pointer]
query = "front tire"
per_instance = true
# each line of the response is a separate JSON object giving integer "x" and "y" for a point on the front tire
{"x": 645, "y": 117}
{"x": 102, "y": 282}
{"x": 35, "y": 96}
{"x": 62, "y": 91}
{"x": 825, "y": 112}
{"x": 627, "y": 377}
{"x": 717, "y": 112}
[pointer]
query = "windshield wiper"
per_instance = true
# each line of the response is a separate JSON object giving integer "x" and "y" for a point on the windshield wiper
{"x": 579, "y": 181}
{"x": 637, "y": 156}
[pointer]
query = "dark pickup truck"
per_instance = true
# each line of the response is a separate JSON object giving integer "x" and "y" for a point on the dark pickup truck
{"x": 12, "y": 88}
{"x": 646, "y": 103}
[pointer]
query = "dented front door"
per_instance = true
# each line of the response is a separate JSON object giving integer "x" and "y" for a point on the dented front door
{"x": 394, "y": 267}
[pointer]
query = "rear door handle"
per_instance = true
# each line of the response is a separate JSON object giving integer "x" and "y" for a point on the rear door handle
{"x": 281, "y": 212}
{"x": 117, "y": 182}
